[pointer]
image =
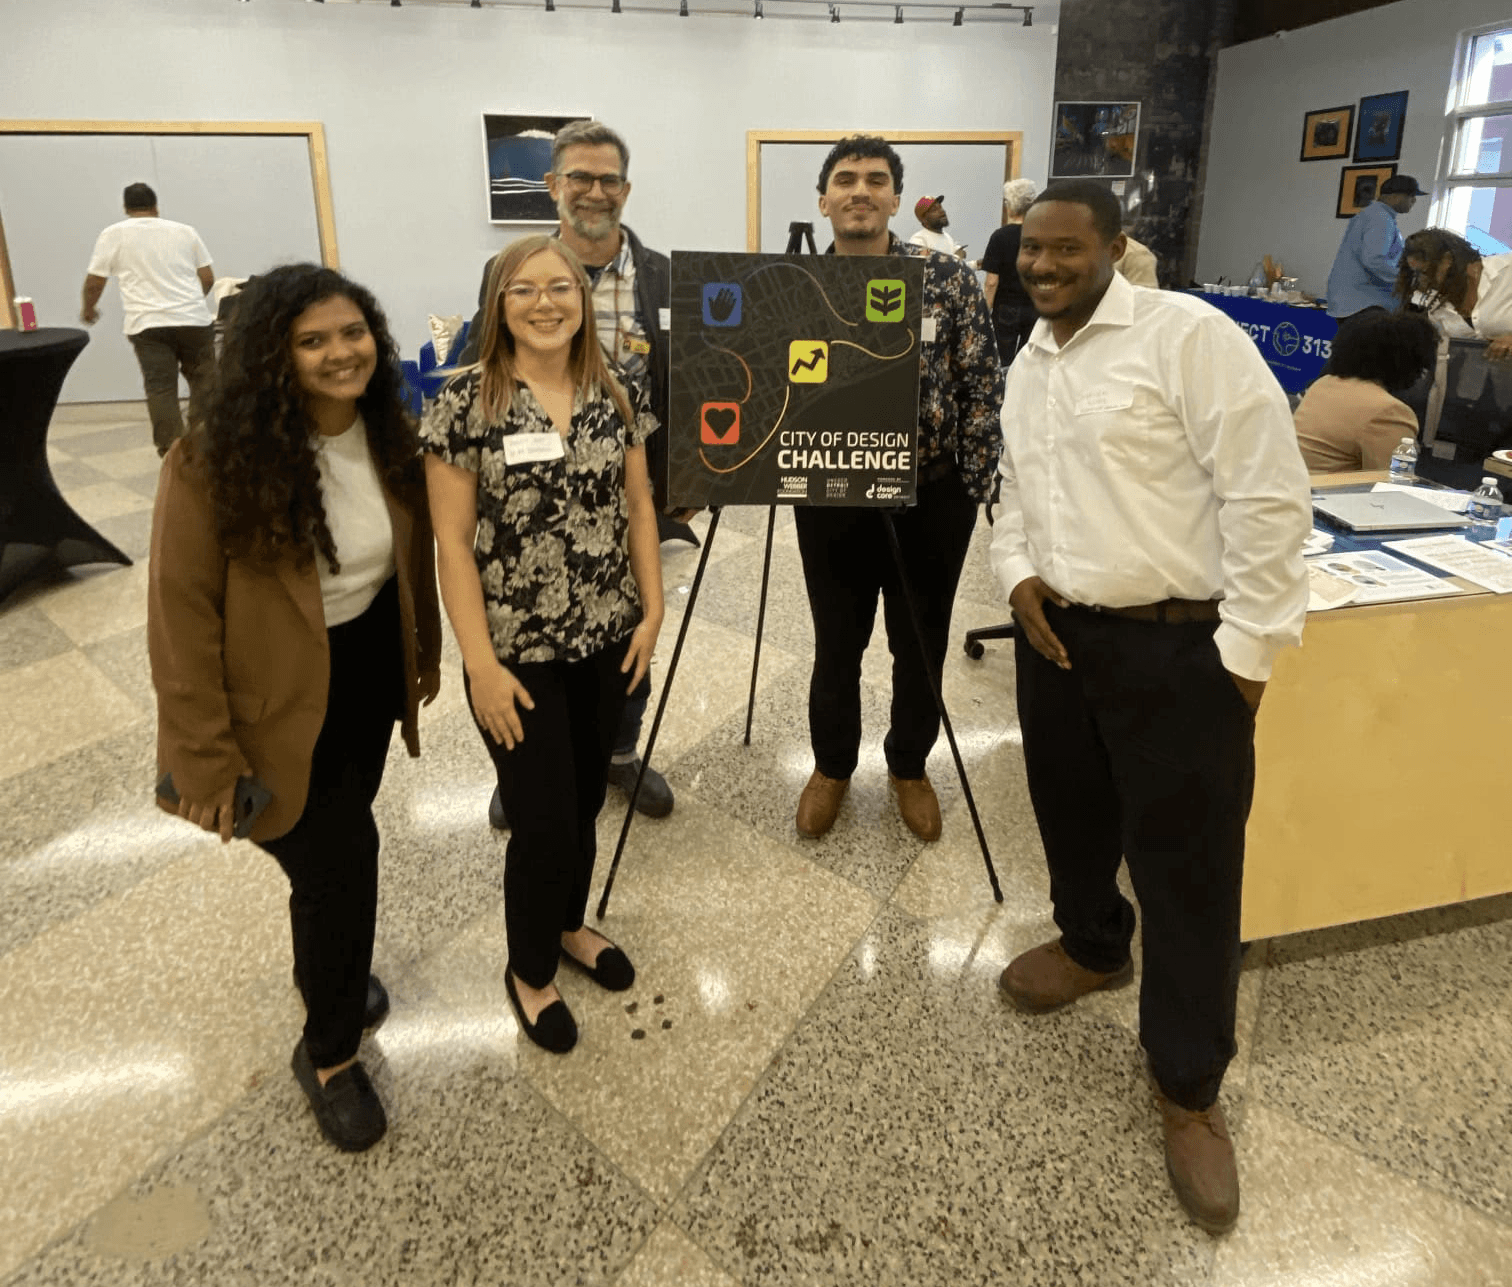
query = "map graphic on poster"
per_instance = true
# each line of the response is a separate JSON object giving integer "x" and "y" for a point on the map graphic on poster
{"x": 795, "y": 379}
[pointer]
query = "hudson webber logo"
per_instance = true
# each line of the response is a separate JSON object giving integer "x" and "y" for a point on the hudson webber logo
{"x": 792, "y": 486}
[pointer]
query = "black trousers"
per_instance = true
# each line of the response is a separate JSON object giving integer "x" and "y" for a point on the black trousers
{"x": 1012, "y": 326}
{"x": 553, "y": 785}
{"x": 331, "y": 854}
{"x": 1144, "y": 751}
{"x": 161, "y": 352}
{"x": 847, "y": 560}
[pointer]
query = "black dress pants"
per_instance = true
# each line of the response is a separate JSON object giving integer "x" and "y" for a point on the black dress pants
{"x": 552, "y": 786}
{"x": 1144, "y": 751}
{"x": 847, "y": 560}
{"x": 331, "y": 854}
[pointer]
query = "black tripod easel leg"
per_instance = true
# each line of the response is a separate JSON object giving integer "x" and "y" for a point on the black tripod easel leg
{"x": 766, "y": 572}
{"x": 939, "y": 699}
{"x": 661, "y": 705}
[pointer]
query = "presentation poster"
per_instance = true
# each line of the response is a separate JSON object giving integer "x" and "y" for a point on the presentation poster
{"x": 795, "y": 379}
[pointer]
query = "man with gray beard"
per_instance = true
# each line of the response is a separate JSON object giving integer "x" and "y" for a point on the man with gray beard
{"x": 631, "y": 290}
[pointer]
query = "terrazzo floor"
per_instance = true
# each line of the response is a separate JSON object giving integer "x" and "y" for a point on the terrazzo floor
{"x": 813, "y": 1081}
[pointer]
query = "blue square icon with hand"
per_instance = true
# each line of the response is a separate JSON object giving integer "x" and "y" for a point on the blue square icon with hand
{"x": 721, "y": 304}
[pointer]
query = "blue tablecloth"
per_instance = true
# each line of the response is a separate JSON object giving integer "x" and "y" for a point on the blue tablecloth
{"x": 1295, "y": 341}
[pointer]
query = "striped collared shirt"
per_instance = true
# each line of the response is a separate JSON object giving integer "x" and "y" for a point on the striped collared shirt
{"x": 622, "y": 335}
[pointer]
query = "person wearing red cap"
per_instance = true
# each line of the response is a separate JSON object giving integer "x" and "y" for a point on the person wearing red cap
{"x": 930, "y": 211}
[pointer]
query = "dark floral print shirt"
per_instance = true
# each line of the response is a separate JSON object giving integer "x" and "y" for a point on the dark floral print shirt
{"x": 960, "y": 380}
{"x": 553, "y": 544}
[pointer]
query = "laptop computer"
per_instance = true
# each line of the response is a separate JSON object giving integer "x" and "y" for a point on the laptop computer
{"x": 1386, "y": 512}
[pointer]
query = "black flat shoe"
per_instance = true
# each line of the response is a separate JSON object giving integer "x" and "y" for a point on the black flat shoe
{"x": 554, "y": 1029}
{"x": 612, "y": 970}
{"x": 377, "y": 1008}
{"x": 347, "y": 1107}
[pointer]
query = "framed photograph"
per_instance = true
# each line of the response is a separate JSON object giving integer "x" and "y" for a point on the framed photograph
{"x": 1379, "y": 137}
{"x": 1358, "y": 185}
{"x": 1094, "y": 140}
{"x": 517, "y": 159}
{"x": 1326, "y": 133}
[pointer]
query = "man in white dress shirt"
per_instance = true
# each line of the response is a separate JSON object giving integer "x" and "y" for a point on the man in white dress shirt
{"x": 1153, "y": 507}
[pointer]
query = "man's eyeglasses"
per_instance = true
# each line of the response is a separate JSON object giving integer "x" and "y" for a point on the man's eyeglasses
{"x": 559, "y": 291}
{"x": 580, "y": 181}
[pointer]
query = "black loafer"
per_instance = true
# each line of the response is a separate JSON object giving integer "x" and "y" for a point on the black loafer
{"x": 377, "y": 1008}
{"x": 347, "y": 1107}
{"x": 554, "y": 1029}
{"x": 612, "y": 970}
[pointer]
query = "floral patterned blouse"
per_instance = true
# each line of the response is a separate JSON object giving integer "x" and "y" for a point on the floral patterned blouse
{"x": 553, "y": 544}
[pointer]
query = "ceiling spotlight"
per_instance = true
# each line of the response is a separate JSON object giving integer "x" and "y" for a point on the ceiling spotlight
{"x": 834, "y": 13}
{"x": 682, "y": 9}
{"x": 760, "y": 10}
{"x": 1028, "y": 17}
{"x": 476, "y": 4}
{"x": 614, "y": 8}
{"x": 898, "y": 16}
{"x": 394, "y": 4}
{"x": 959, "y": 18}
{"x": 550, "y": 5}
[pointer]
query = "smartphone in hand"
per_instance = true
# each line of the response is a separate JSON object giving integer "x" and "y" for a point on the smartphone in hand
{"x": 250, "y": 800}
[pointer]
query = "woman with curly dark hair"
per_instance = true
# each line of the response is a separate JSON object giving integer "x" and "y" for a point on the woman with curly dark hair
{"x": 292, "y": 619}
{"x": 551, "y": 573}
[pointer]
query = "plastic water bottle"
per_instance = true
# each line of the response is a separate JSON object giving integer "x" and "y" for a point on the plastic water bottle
{"x": 1404, "y": 461}
{"x": 1486, "y": 505}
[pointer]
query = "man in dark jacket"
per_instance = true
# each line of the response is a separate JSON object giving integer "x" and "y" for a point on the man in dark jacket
{"x": 631, "y": 291}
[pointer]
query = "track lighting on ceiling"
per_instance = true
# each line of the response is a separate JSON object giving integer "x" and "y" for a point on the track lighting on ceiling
{"x": 614, "y": 8}
{"x": 960, "y": 17}
{"x": 550, "y": 6}
{"x": 760, "y": 11}
{"x": 834, "y": 13}
{"x": 682, "y": 9}
{"x": 898, "y": 16}
{"x": 1028, "y": 17}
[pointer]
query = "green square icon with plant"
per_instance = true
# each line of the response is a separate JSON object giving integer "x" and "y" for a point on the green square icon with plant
{"x": 884, "y": 299}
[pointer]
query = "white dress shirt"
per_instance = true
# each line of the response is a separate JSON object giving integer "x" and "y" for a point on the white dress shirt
{"x": 1152, "y": 457}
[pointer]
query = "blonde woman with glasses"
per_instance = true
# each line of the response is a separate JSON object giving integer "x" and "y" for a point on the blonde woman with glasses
{"x": 550, "y": 572}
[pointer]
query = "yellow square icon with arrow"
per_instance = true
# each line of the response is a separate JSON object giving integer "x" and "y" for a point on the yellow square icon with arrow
{"x": 808, "y": 361}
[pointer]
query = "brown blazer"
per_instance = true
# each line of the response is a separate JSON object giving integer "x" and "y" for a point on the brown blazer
{"x": 240, "y": 656}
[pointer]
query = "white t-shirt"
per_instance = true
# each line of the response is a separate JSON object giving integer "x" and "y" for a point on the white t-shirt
{"x": 158, "y": 262}
{"x": 358, "y": 517}
{"x": 941, "y": 241}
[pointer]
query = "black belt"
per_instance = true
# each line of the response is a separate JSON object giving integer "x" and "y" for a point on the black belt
{"x": 1168, "y": 612}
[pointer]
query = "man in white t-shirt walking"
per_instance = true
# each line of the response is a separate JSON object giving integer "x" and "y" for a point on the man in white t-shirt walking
{"x": 165, "y": 274}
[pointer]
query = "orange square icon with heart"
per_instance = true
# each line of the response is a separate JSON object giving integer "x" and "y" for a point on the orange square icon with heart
{"x": 719, "y": 424}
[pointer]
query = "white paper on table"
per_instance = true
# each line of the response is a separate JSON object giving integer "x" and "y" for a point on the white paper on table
{"x": 1324, "y": 590}
{"x": 1381, "y": 578}
{"x": 1460, "y": 557}
{"x": 1317, "y": 542}
{"x": 1454, "y": 502}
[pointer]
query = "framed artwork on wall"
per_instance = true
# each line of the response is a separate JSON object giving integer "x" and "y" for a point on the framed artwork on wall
{"x": 1095, "y": 140}
{"x": 1326, "y": 133}
{"x": 1379, "y": 137}
{"x": 1358, "y": 185}
{"x": 516, "y": 159}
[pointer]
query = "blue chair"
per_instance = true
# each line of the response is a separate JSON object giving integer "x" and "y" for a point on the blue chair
{"x": 423, "y": 379}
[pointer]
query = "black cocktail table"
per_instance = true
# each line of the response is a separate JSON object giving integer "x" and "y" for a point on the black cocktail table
{"x": 37, "y": 525}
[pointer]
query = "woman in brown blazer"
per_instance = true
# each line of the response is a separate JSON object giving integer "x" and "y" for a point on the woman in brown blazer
{"x": 292, "y": 619}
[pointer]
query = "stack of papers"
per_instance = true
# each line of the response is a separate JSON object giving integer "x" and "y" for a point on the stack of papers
{"x": 1488, "y": 565}
{"x": 1454, "y": 502}
{"x": 1335, "y": 579}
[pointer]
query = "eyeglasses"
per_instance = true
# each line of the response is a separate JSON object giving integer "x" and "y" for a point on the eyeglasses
{"x": 525, "y": 294}
{"x": 580, "y": 181}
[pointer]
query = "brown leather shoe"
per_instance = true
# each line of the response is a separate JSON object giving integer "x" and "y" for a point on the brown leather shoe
{"x": 819, "y": 804}
{"x": 918, "y": 805}
{"x": 1200, "y": 1161}
{"x": 1046, "y": 978}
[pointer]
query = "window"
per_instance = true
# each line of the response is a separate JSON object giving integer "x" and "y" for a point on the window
{"x": 1475, "y": 169}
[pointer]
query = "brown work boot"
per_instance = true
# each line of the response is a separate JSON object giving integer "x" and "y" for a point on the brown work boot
{"x": 1046, "y": 978}
{"x": 918, "y": 805}
{"x": 1200, "y": 1161}
{"x": 819, "y": 804}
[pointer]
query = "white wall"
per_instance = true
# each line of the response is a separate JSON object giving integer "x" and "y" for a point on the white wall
{"x": 1259, "y": 197}
{"x": 400, "y": 92}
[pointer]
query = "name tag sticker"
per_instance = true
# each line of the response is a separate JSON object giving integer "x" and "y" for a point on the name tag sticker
{"x": 927, "y": 330}
{"x": 523, "y": 448}
{"x": 1115, "y": 397}
{"x": 664, "y": 319}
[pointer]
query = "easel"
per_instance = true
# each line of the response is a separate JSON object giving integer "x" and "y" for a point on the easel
{"x": 798, "y": 232}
